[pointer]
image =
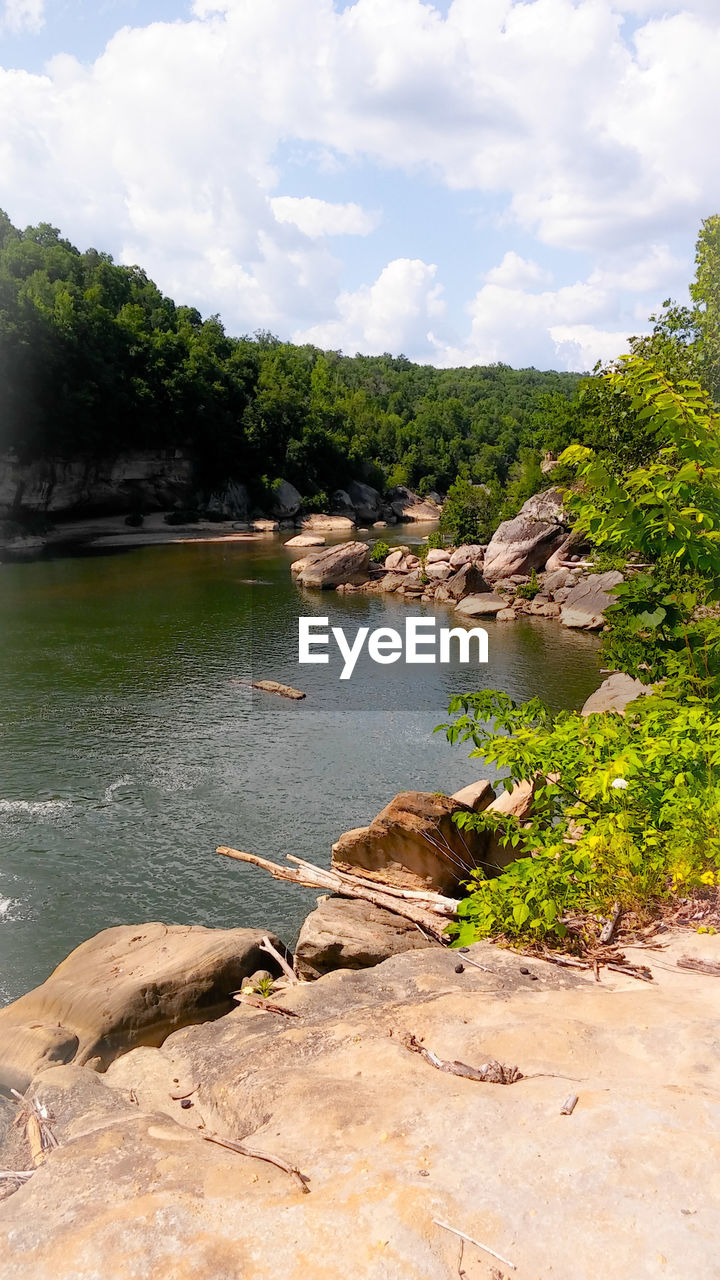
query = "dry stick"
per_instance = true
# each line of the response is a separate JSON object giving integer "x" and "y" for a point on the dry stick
{"x": 468, "y": 960}
{"x": 266, "y": 945}
{"x": 478, "y": 1245}
{"x": 426, "y": 916}
{"x": 491, "y": 1072}
{"x": 631, "y": 971}
{"x": 300, "y": 1178}
{"x": 608, "y": 929}
{"x": 20, "y": 1175}
{"x": 700, "y": 966}
{"x": 435, "y": 901}
{"x": 569, "y": 1105}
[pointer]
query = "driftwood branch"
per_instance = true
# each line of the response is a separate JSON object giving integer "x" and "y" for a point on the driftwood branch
{"x": 16, "y": 1175}
{"x": 700, "y": 966}
{"x": 434, "y": 901}
{"x": 428, "y": 916}
{"x": 569, "y": 1105}
{"x": 478, "y": 1245}
{"x": 300, "y": 1178}
{"x": 266, "y": 945}
{"x": 491, "y": 1072}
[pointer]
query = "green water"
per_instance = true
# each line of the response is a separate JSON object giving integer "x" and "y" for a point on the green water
{"x": 130, "y": 748}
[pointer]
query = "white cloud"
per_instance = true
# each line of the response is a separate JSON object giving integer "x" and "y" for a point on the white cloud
{"x": 395, "y": 313}
{"x": 514, "y": 272}
{"x": 321, "y": 218}
{"x": 22, "y": 15}
{"x": 167, "y": 147}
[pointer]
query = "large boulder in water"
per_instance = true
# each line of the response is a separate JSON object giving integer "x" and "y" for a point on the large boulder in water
{"x": 127, "y": 986}
{"x": 615, "y": 694}
{"x": 343, "y": 563}
{"x": 409, "y": 506}
{"x": 413, "y": 843}
{"x": 366, "y": 501}
{"x": 350, "y": 933}
{"x": 586, "y": 604}
{"x": 285, "y": 501}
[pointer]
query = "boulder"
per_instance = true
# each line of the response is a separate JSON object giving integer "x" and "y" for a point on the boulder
{"x": 298, "y": 566}
{"x": 545, "y": 609}
{"x": 585, "y": 606}
{"x": 345, "y": 562}
{"x": 468, "y": 553}
{"x": 347, "y": 933}
{"x": 465, "y": 581}
{"x": 438, "y": 572}
{"x": 615, "y": 694}
{"x": 409, "y": 506}
{"x": 285, "y": 501}
{"x": 341, "y": 504}
{"x": 380, "y": 524}
{"x": 477, "y": 796}
{"x": 437, "y": 555}
{"x": 480, "y": 606}
{"x": 395, "y": 559}
{"x": 306, "y": 540}
{"x": 317, "y": 522}
{"x": 556, "y": 580}
{"x": 264, "y": 526}
{"x": 506, "y": 615}
{"x": 392, "y": 581}
{"x": 412, "y": 844}
{"x": 574, "y": 543}
{"x": 525, "y": 543}
{"x": 130, "y": 985}
{"x": 366, "y": 501}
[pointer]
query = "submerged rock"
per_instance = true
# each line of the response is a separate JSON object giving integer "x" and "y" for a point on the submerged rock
{"x": 480, "y": 606}
{"x": 306, "y": 540}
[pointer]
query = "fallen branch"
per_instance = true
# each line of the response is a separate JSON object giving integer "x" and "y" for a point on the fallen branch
{"x": 435, "y": 901}
{"x": 700, "y": 966}
{"x": 491, "y": 1072}
{"x": 428, "y": 916}
{"x": 300, "y": 1178}
{"x": 16, "y": 1175}
{"x": 266, "y": 945}
{"x": 272, "y": 686}
{"x": 478, "y": 1244}
{"x": 39, "y": 1134}
{"x": 640, "y": 971}
{"x": 569, "y": 1105}
{"x": 257, "y": 1002}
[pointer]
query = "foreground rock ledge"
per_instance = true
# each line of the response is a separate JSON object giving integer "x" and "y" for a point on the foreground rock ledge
{"x": 388, "y": 1142}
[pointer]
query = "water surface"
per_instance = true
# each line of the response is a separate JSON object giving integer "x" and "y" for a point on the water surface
{"x": 130, "y": 748}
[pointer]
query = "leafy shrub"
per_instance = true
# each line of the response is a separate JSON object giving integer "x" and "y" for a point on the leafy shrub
{"x": 470, "y": 513}
{"x": 529, "y": 590}
{"x": 435, "y": 542}
{"x": 380, "y": 553}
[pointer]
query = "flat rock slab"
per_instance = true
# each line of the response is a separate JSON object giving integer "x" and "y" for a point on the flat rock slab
{"x": 625, "y": 1187}
{"x": 306, "y": 540}
{"x": 585, "y": 606}
{"x": 483, "y": 605}
{"x": 333, "y": 566}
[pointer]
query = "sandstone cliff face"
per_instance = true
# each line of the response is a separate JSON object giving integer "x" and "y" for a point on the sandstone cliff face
{"x": 66, "y": 487}
{"x": 626, "y": 1186}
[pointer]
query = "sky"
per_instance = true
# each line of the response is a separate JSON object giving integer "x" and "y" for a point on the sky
{"x": 464, "y": 183}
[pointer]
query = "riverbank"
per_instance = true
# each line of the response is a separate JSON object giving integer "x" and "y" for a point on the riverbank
{"x": 611, "y": 1076}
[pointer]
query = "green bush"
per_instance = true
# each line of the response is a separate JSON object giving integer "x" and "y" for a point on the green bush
{"x": 470, "y": 513}
{"x": 529, "y": 590}
{"x": 380, "y": 553}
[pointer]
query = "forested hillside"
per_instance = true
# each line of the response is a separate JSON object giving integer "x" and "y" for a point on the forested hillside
{"x": 94, "y": 360}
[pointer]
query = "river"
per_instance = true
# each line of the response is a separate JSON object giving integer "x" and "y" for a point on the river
{"x": 130, "y": 746}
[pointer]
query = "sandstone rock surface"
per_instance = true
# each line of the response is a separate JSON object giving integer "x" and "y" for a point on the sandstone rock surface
{"x": 466, "y": 580}
{"x": 130, "y": 985}
{"x": 343, "y": 563}
{"x": 615, "y": 694}
{"x": 585, "y": 606}
{"x": 317, "y": 522}
{"x": 388, "y": 1142}
{"x": 347, "y": 933}
{"x": 366, "y": 501}
{"x": 412, "y": 844}
{"x": 154, "y": 480}
{"x": 476, "y": 796}
{"x": 480, "y": 606}
{"x": 407, "y": 505}
{"x": 306, "y": 540}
